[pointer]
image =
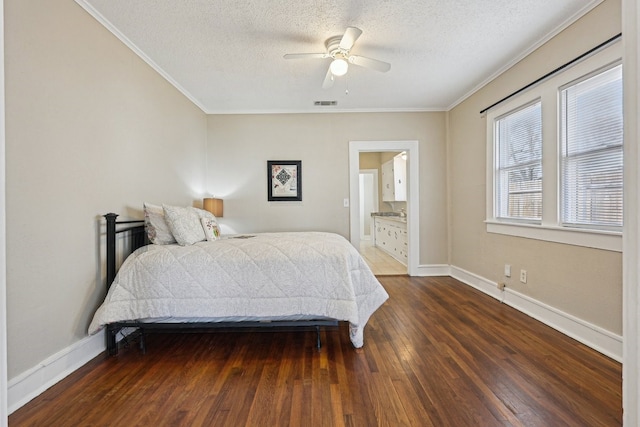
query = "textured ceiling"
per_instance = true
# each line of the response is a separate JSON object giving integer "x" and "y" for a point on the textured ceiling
{"x": 227, "y": 55}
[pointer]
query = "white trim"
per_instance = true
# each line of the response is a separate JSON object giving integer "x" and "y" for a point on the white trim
{"x": 124, "y": 39}
{"x": 33, "y": 382}
{"x": 549, "y": 229}
{"x": 593, "y": 336}
{"x": 413, "y": 194}
{"x": 631, "y": 240}
{"x": 3, "y": 234}
{"x": 433, "y": 270}
{"x": 110, "y": 27}
{"x": 53, "y": 369}
{"x": 329, "y": 110}
{"x": 576, "y": 16}
{"x": 611, "y": 241}
{"x": 480, "y": 283}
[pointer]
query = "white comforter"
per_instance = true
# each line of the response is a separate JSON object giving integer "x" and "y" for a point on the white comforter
{"x": 269, "y": 275}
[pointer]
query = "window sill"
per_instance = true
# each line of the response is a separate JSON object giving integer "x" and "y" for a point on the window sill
{"x": 607, "y": 240}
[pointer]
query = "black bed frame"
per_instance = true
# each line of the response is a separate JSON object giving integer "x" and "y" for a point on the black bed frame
{"x": 137, "y": 236}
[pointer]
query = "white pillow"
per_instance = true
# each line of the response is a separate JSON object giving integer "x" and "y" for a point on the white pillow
{"x": 157, "y": 228}
{"x": 211, "y": 229}
{"x": 184, "y": 224}
{"x": 206, "y": 214}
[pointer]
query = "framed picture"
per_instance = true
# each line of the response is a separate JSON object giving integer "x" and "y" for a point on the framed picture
{"x": 284, "y": 178}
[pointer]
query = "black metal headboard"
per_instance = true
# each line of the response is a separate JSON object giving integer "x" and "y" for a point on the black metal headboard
{"x": 137, "y": 238}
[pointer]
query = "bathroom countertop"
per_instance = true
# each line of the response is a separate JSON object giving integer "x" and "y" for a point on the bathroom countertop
{"x": 392, "y": 216}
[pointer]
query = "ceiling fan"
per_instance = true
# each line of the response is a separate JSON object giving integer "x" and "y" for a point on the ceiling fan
{"x": 339, "y": 50}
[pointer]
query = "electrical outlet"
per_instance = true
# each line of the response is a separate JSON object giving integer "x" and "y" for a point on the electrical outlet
{"x": 507, "y": 270}
{"x": 523, "y": 276}
{"x": 345, "y": 203}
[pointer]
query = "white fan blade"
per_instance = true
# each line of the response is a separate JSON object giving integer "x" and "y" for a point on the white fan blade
{"x": 350, "y": 37}
{"x": 328, "y": 80}
{"x": 306, "y": 55}
{"x": 374, "y": 64}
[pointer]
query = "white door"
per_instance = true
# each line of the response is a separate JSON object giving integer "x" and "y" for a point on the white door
{"x": 368, "y": 200}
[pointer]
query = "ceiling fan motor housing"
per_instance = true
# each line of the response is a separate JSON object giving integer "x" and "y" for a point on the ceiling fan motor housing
{"x": 333, "y": 47}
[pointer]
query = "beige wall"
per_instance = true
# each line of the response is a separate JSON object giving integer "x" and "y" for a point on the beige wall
{"x": 586, "y": 283}
{"x": 370, "y": 161}
{"x": 240, "y": 145}
{"x": 90, "y": 129}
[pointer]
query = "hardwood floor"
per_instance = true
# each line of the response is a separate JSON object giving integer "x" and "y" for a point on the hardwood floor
{"x": 381, "y": 263}
{"x": 438, "y": 353}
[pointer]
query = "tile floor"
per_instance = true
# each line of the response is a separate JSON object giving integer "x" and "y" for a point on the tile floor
{"x": 379, "y": 261}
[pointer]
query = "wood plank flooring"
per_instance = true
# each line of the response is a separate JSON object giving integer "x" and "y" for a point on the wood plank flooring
{"x": 438, "y": 353}
{"x": 380, "y": 262}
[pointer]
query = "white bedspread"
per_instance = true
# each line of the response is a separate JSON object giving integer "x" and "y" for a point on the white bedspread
{"x": 268, "y": 276}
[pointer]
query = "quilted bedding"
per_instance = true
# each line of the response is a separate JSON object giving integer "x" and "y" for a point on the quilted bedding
{"x": 267, "y": 275}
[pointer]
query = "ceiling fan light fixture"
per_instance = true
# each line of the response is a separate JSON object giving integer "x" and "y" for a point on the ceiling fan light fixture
{"x": 339, "y": 67}
{"x": 339, "y": 51}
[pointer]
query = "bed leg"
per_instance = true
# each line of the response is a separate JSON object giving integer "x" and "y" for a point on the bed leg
{"x": 318, "y": 342}
{"x": 143, "y": 346}
{"x": 112, "y": 345}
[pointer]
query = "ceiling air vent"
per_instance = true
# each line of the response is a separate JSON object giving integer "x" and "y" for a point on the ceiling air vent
{"x": 325, "y": 103}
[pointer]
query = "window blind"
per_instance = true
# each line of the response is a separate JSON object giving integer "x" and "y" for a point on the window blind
{"x": 591, "y": 137}
{"x": 519, "y": 164}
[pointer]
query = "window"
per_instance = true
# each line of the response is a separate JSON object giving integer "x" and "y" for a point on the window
{"x": 519, "y": 164}
{"x": 554, "y": 157}
{"x": 591, "y": 151}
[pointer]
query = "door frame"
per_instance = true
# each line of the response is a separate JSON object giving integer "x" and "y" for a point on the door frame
{"x": 631, "y": 230}
{"x": 3, "y": 252}
{"x": 413, "y": 199}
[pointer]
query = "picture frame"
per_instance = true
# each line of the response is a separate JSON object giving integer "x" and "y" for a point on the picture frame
{"x": 284, "y": 180}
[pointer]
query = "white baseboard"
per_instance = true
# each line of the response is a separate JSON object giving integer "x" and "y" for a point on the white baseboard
{"x": 591, "y": 335}
{"x": 484, "y": 285}
{"x": 588, "y": 334}
{"x": 36, "y": 380}
{"x": 432, "y": 270}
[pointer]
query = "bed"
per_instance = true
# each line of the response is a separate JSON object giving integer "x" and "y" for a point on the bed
{"x": 266, "y": 279}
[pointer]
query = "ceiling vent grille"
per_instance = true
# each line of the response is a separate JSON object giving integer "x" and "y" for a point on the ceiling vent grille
{"x": 325, "y": 103}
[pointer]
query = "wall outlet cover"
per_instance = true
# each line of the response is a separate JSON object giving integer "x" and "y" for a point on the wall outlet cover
{"x": 523, "y": 276}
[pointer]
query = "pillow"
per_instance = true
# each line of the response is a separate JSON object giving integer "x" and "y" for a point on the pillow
{"x": 209, "y": 224}
{"x": 156, "y": 226}
{"x": 211, "y": 229}
{"x": 184, "y": 224}
{"x": 206, "y": 214}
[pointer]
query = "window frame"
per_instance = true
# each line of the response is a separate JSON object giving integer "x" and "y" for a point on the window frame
{"x": 562, "y": 158}
{"x": 498, "y": 168}
{"x": 550, "y": 228}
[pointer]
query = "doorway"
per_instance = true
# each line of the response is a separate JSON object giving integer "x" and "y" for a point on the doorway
{"x": 412, "y": 203}
{"x": 381, "y": 261}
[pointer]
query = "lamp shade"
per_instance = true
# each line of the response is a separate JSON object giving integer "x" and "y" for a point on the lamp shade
{"x": 339, "y": 67}
{"x": 213, "y": 205}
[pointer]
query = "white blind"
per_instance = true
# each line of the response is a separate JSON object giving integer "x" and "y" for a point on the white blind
{"x": 591, "y": 135}
{"x": 519, "y": 164}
